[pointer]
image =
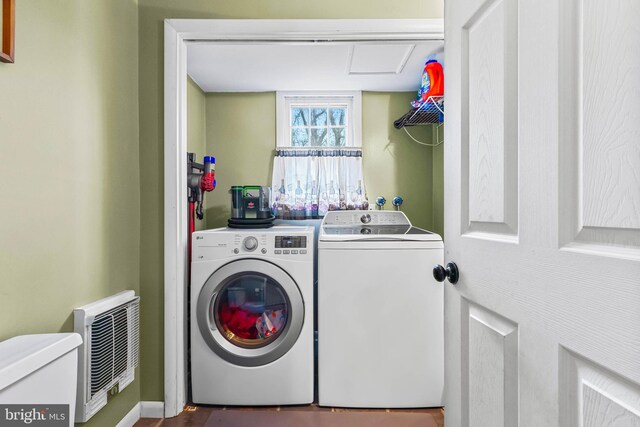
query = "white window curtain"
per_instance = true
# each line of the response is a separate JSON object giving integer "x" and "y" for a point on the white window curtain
{"x": 307, "y": 183}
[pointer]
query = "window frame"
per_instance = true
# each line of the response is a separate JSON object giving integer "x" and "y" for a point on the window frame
{"x": 285, "y": 99}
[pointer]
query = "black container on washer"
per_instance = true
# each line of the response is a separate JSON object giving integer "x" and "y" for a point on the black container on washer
{"x": 250, "y": 202}
{"x": 237, "y": 204}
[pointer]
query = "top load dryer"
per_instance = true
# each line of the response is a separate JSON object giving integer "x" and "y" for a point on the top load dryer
{"x": 380, "y": 312}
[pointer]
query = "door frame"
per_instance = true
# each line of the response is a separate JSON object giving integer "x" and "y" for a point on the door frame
{"x": 178, "y": 33}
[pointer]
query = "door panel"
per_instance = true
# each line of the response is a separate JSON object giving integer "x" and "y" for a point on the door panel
{"x": 602, "y": 157}
{"x": 489, "y": 52}
{"x": 594, "y": 396}
{"x": 491, "y": 370}
{"x": 611, "y": 152}
{"x": 542, "y": 206}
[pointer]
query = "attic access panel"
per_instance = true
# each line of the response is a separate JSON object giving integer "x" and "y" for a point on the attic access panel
{"x": 371, "y": 59}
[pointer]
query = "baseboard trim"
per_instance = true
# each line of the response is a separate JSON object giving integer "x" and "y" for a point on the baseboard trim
{"x": 131, "y": 418}
{"x": 142, "y": 410}
{"x": 151, "y": 409}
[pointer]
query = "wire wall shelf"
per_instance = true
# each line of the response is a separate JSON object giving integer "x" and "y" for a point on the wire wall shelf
{"x": 428, "y": 113}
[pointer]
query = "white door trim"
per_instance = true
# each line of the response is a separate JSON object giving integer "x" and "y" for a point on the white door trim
{"x": 177, "y": 34}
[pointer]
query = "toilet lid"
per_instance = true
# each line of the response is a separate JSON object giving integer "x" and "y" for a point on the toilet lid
{"x": 22, "y": 355}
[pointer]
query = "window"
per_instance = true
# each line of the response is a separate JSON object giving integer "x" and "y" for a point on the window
{"x": 310, "y": 127}
{"x": 318, "y": 119}
{"x": 318, "y": 163}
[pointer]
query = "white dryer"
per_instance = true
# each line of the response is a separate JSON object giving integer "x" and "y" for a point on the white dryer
{"x": 252, "y": 316}
{"x": 380, "y": 312}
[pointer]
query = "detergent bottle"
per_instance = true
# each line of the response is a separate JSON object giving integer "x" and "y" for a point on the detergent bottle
{"x": 432, "y": 83}
{"x": 436, "y": 79}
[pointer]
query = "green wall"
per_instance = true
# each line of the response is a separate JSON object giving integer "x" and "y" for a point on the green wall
{"x": 392, "y": 163}
{"x": 438, "y": 180}
{"x": 196, "y": 129}
{"x": 151, "y": 35}
{"x": 243, "y": 145}
{"x": 70, "y": 173}
{"x": 196, "y": 119}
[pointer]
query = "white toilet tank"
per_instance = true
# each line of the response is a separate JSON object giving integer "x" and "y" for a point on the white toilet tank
{"x": 38, "y": 379}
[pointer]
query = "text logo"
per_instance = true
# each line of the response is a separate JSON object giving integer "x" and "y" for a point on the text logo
{"x": 34, "y": 415}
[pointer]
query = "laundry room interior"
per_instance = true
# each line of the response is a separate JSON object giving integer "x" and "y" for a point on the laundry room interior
{"x": 239, "y": 128}
{"x": 333, "y": 94}
{"x": 290, "y": 213}
{"x": 310, "y": 129}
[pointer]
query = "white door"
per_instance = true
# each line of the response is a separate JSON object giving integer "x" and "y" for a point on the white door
{"x": 542, "y": 208}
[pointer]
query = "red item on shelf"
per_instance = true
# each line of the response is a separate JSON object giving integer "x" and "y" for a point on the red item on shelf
{"x": 436, "y": 78}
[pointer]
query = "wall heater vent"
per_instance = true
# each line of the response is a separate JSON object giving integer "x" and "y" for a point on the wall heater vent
{"x": 109, "y": 353}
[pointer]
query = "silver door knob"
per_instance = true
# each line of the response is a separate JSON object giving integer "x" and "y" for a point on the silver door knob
{"x": 365, "y": 219}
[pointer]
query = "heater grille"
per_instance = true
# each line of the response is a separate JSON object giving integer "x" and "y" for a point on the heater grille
{"x": 109, "y": 355}
{"x": 114, "y": 345}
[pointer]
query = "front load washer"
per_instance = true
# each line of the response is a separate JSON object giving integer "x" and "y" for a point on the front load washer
{"x": 380, "y": 312}
{"x": 252, "y": 316}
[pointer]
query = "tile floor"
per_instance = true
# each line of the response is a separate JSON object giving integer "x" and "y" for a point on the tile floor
{"x": 297, "y": 416}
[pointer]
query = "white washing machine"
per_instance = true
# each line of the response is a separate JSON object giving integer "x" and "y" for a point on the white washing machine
{"x": 380, "y": 312}
{"x": 252, "y": 316}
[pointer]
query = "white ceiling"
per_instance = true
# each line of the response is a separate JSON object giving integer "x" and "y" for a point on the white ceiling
{"x": 263, "y": 67}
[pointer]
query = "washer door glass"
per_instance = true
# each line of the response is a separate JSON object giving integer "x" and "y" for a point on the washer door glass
{"x": 250, "y": 312}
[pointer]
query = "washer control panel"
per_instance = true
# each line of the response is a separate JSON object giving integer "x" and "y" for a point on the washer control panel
{"x": 290, "y": 245}
{"x": 351, "y": 218}
{"x": 289, "y": 242}
{"x": 250, "y": 244}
